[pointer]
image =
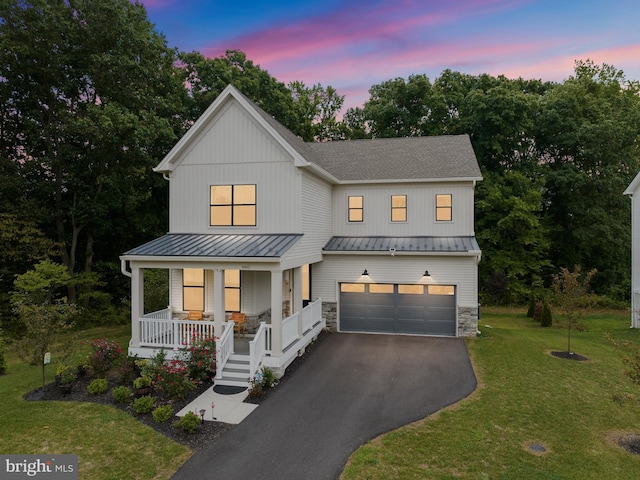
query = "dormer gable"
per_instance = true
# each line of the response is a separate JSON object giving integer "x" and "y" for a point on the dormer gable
{"x": 232, "y": 98}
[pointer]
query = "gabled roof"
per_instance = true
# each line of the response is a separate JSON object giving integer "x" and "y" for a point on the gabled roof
{"x": 435, "y": 158}
{"x": 216, "y": 245}
{"x": 447, "y": 157}
{"x": 402, "y": 244}
{"x": 281, "y": 134}
{"x": 633, "y": 186}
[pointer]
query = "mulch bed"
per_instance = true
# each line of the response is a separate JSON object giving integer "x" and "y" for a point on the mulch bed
{"x": 631, "y": 443}
{"x": 569, "y": 356}
{"x": 207, "y": 431}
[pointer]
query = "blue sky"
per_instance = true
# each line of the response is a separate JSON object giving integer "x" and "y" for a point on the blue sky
{"x": 354, "y": 44}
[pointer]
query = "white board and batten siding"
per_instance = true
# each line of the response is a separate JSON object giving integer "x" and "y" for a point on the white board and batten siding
{"x": 634, "y": 192}
{"x": 460, "y": 271}
{"x": 421, "y": 210}
{"x": 316, "y": 221}
{"x": 235, "y": 150}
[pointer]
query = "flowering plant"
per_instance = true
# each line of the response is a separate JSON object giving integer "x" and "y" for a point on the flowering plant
{"x": 172, "y": 380}
{"x": 200, "y": 358}
{"x": 105, "y": 355}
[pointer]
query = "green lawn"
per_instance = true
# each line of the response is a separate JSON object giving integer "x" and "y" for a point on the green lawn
{"x": 110, "y": 443}
{"x": 525, "y": 396}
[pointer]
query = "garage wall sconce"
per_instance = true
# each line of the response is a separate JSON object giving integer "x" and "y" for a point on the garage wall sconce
{"x": 426, "y": 274}
{"x": 365, "y": 273}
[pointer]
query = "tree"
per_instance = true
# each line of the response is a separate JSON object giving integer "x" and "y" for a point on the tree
{"x": 513, "y": 240}
{"x": 87, "y": 120}
{"x": 571, "y": 295}
{"x": 316, "y": 108}
{"x": 588, "y": 134}
{"x": 42, "y": 311}
{"x": 22, "y": 244}
{"x": 206, "y": 78}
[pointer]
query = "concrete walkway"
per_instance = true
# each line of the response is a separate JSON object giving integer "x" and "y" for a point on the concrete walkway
{"x": 352, "y": 388}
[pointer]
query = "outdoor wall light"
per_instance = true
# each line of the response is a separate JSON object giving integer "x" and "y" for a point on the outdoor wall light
{"x": 426, "y": 273}
{"x": 365, "y": 273}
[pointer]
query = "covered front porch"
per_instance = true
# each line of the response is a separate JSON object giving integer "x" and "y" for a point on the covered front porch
{"x": 163, "y": 330}
{"x": 212, "y": 276}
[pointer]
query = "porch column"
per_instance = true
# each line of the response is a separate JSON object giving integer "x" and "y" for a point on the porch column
{"x": 137, "y": 303}
{"x": 297, "y": 297}
{"x": 218, "y": 301}
{"x": 276, "y": 313}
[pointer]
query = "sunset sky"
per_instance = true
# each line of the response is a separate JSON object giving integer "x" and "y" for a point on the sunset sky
{"x": 354, "y": 44}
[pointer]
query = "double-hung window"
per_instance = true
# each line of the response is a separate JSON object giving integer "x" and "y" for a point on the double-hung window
{"x": 398, "y": 208}
{"x": 233, "y": 206}
{"x": 443, "y": 208}
{"x": 356, "y": 208}
{"x": 193, "y": 289}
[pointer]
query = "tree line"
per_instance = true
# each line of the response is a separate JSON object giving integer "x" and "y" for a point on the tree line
{"x": 92, "y": 98}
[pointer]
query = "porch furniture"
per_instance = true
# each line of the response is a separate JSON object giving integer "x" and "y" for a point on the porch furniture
{"x": 240, "y": 323}
{"x": 194, "y": 315}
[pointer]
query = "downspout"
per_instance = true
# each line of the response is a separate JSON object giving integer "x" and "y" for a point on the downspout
{"x": 123, "y": 268}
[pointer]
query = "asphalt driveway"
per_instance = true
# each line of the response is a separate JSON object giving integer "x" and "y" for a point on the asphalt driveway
{"x": 352, "y": 388}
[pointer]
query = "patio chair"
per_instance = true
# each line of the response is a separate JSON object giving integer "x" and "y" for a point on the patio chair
{"x": 240, "y": 323}
{"x": 194, "y": 315}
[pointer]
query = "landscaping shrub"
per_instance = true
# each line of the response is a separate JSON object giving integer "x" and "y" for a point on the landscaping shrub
{"x": 531, "y": 307}
{"x": 162, "y": 413}
{"x": 265, "y": 378}
{"x": 537, "y": 311}
{"x": 106, "y": 354}
{"x": 173, "y": 381}
{"x": 97, "y": 386}
{"x": 121, "y": 394}
{"x": 200, "y": 358}
{"x": 268, "y": 377}
{"x": 546, "y": 319}
{"x": 143, "y": 404}
{"x": 3, "y": 362}
{"x": 189, "y": 423}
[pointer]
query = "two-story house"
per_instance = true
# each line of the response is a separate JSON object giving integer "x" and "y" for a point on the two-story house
{"x": 363, "y": 236}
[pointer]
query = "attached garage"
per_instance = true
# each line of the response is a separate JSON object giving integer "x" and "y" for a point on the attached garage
{"x": 398, "y": 308}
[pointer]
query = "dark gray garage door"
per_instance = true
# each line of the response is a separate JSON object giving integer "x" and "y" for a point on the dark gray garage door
{"x": 397, "y": 308}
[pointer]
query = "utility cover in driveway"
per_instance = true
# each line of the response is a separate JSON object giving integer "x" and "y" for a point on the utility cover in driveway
{"x": 398, "y": 308}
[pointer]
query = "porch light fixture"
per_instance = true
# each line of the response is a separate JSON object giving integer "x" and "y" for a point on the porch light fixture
{"x": 426, "y": 273}
{"x": 365, "y": 273}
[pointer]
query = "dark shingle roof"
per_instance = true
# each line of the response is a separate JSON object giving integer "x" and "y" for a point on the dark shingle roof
{"x": 403, "y": 158}
{"x": 446, "y": 157}
{"x": 402, "y": 244}
{"x": 216, "y": 245}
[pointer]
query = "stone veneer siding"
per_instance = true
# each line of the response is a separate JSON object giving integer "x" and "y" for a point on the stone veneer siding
{"x": 330, "y": 314}
{"x": 467, "y": 319}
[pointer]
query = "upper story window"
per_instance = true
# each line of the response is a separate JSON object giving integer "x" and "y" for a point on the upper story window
{"x": 233, "y": 205}
{"x": 398, "y": 208}
{"x": 356, "y": 209}
{"x": 443, "y": 208}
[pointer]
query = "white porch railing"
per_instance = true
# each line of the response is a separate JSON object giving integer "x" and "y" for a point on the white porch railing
{"x": 297, "y": 332}
{"x": 224, "y": 347}
{"x": 159, "y": 332}
{"x": 259, "y": 347}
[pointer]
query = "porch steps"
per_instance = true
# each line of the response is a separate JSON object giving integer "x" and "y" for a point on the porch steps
{"x": 236, "y": 372}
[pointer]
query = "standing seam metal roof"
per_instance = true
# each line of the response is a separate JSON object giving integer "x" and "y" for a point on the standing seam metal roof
{"x": 402, "y": 244}
{"x": 217, "y": 245}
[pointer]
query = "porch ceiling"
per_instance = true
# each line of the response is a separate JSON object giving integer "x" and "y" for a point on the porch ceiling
{"x": 216, "y": 245}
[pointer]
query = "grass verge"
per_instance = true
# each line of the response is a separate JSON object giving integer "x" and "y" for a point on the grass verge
{"x": 575, "y": 410}
{"x": 110, "y": 443}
